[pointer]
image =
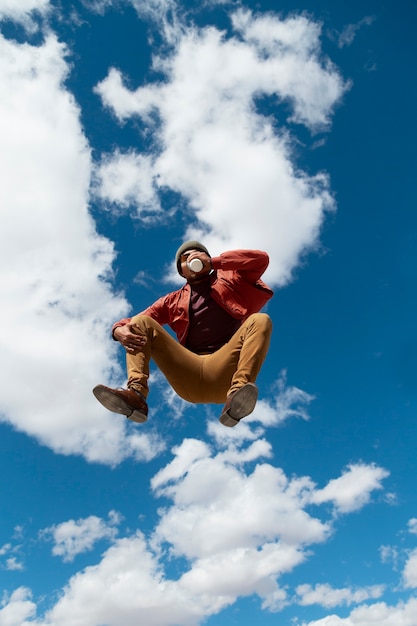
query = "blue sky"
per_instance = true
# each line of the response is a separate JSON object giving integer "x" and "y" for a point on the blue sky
{"x": 126, "y": 128}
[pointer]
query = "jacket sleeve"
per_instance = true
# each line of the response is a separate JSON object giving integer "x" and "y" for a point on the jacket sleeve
{"x": 251, "y": 263}
{"x": 158, "y": 311}
{"x": 122, "y": 322}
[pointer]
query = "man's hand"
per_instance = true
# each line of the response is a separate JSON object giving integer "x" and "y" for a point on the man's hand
{"x": 204, "y": 258}
{"x": 131, "y": 341}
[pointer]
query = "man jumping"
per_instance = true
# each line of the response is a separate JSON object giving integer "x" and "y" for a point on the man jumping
{"x": 222, "y": 338}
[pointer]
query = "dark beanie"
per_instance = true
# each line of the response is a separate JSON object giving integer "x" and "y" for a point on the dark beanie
{"x": 188, "y": 245}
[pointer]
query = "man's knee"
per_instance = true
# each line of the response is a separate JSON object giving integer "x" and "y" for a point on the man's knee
{"x": 144, "y": 322}
{"x": 261, "y": 321}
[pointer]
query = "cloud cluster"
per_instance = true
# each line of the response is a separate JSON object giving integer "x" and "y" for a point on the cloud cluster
{"x": 348, "y": 34}
{"x": 17, "y": 607}
{"x": 76, "y": 536}
{"x": 23, "y": 11}
{"x": 328, "y": 597}
{"x": 351, "y": 491}
{"x": 215, "y": 143}
{"x": 403, "y": 614}
{"x": 236, "y": 525}
{"x": 58, "y": 302}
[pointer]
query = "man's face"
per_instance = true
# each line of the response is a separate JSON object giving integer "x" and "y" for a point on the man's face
{"x": 189, "y": 275}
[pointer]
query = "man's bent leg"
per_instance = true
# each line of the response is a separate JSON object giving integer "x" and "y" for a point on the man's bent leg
{"x": 253, "y": 343}
{"x": 180, "y": 366}
{"x": 230, "y": 373}
{"x": 239, "y": 361}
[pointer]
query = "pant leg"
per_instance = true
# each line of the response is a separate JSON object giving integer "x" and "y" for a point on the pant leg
{"x": 239, "y": 361}
{"x": 181, "y": 367}
{"x": 201, "y": 378}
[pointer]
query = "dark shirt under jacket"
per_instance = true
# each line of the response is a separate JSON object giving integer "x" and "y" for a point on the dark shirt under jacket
{"x": 210, "y": 325}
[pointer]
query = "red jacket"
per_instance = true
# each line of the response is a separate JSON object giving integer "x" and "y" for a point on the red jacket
{"x": 236, "y": 286}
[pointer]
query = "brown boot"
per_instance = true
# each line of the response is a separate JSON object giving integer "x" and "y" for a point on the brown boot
{"x": 124, "y": 401}
{"x": 239, "y": 404}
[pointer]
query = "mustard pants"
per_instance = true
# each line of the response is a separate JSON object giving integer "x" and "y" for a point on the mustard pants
{"x": 200, "y": 378}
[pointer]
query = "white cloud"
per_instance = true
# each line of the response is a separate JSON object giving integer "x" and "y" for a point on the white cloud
{"x": 291, "y": 49}
{"x": 348, "y": 34}
{"x": 57, "y": 304}
{"x": 403, "y": 557}
{"x": 232, "y": 524}
{"x": 127, "y": 587}
{"x": 213, "y": 146}
{"x": 410, "y": 571}
{"x": 164, "y": 14}
{"x": 389, "y": 554}
{"x": 76, "y": 536}
{"x": 5, "y": 549}
{"x": 98, "y": 6}
{"x": 352, "y": 490}
{"x": 214, "y": 494}
{"x": 380, "y": 614}
{"x": 126, "y": 179}
{"x": 12, "y": 564}
{"x": 284, "y": 402}
{"x": 190, "y": 451}
{"x": 412, "y": 525}
{"x": 242, "y": 572}
{"x": 23, "y": 11}
{"x": 327, "y": 596}
{"x": 17, "y": 608}
{"x": 13, "y": 9}
{"x": 289, "y": 402}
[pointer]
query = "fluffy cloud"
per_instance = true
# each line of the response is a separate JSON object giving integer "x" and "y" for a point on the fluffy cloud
{"x": 381, "y": 614}
{"x": 212, "y": 492}
{"x": 118, "y": 591}
{"x": 215, "y": 147}
{"x": 76, "y": 536}
{"x": 17, "y": 608}
{"x": 20, "y": 11}
{"x": 353, "y": 489}
{"x": 285, "y": 402}
{"x": 234, "y": 525}
{"x": 412, "y": 525}
{"x": 348, "y": 34}
{"x": 11, "y": 563}
{"x": 327, "y": 596}
{"x": 127, "y": 179}
{"x": 57, "y": 298}
{"x": 410, "y": 571}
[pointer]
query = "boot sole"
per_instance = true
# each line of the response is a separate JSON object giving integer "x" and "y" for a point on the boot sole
{"x": 242, "y": 404}
{"x": 116, "y": 404}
